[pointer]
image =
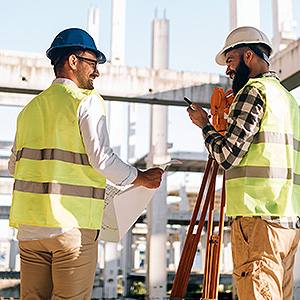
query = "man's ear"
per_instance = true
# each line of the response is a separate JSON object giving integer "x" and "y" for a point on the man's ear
{"x": 73, "y": 61}
{"x": 248, "y": 56}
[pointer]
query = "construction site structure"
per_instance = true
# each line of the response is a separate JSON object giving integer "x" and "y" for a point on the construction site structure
{"x": 29, "y": 73}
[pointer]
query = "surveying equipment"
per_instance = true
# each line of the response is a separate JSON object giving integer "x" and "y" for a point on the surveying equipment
{"x": 220, "y": 104}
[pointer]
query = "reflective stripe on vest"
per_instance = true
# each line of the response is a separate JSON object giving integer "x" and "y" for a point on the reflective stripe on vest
{"x": 55, "y": 185}
{"x": 268, "y": 172}
{"x": 267, "y": 181}
{"x": 58, "y": 189}
{"x": 53, "y": 154}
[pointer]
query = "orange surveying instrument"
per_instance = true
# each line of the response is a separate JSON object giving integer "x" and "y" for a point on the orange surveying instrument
{"x": 220, "y": 104}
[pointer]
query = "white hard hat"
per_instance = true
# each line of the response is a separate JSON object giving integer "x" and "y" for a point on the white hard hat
{"x": 242, "y": 35}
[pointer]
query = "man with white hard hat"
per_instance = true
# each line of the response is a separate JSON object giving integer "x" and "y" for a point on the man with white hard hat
{"x": 260, "y": 153}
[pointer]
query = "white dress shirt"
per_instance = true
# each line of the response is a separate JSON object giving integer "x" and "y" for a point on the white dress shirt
{"x": 92, "y": 124}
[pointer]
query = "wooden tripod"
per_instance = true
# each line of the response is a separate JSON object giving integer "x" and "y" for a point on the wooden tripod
{"x": 213, "y": 249}
{"x": 220, "y": 103}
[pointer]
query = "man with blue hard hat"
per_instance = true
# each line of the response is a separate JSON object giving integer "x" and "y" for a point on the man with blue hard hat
{"x": 60, "y": 161}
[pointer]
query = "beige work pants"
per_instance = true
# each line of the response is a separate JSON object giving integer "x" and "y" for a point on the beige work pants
{"x": 263, "y": 258}
{"x": 61, "y": 267}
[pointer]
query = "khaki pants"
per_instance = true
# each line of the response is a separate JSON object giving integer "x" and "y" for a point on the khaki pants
{"x": 263, "y": 259}
{"x": 62, "y": 267}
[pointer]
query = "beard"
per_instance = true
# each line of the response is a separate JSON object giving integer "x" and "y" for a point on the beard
{"x": 84, "y": 80}
{"x": 241, "y": 76}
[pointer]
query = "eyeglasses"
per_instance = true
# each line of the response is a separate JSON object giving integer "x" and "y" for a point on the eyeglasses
{"x": 93, "y": 63}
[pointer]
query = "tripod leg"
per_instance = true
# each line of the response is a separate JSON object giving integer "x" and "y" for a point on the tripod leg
{"x": 192, "y": 239}
{"x": 208, "y": 252}
{"x": 213, "y": 255}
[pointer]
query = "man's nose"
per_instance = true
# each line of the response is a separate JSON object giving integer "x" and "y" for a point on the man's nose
{"x": 228, "y": 70}
{"x": 96, "y": 72}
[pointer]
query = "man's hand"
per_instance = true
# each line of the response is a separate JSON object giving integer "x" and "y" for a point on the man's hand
{"x": 150, "y": 178}
{"x": 198, "y": 116}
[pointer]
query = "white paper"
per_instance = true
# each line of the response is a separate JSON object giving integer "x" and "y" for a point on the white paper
{"x": 123, "y": 206}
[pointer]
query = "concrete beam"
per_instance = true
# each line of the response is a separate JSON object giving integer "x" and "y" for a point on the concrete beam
{"x": 4, "y": 212}
{"x": 6, "y": 187}
{"x": 195, "y": 277}
{"x": 287, "y": 64}
{"x": 199, "y": 94}
{"x": 191, "y": 162}
{"x": 3, "y": 167}
{"x": 31, "y": 73}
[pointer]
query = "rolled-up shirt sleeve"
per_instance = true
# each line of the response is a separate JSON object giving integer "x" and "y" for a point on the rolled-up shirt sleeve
{"x": 92, "y": 124}
{"x": 12, "y": 160}
{"x": 243, "y": 122}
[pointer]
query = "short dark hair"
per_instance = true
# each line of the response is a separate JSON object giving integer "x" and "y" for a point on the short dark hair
{"x": 262, "y": 47}
{"x": 61, "y": 55}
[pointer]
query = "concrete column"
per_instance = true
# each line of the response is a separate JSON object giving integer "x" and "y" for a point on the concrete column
{"x": 283, "y": 24}
{"x": 160, "y": 44}
{"x": 244, "y": 14}
{"x": 116, "y": 109}
{"x": 13, "y": 251}
{"x": 94, "y": 24}
{"x": 126, "y": 260}
{"x": 157, "y": 262}
{"x": 170, "y": 263}
{"x": 131, "y": 132}
{"x": 184, "y": 204}
{"x": 110, "y": 271}
{"x": 203, "y": 241}
{"x": 157, "y": 209}
{"x": 136, "y": 264}
{"x": 177, "y": 253}
{"x": 118, "y": 32}
{"x": 116, "y": 128}
{"x": 227, "y": 257}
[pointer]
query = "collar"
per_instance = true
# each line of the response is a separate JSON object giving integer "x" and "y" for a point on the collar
{"x": 272, "y": 74}
{"x": 64, "y": 81}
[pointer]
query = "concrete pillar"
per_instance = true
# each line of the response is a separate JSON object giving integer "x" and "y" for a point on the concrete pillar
{"x": 110, "y": 271}
{"x": 160, "y": 44}
{"x": 177, "y": 253}
{"x": 184, "y": 204}
{"x": 227, "y": 257}
{"x": 131, "y": 132}
{"x": 283, "y": 24}
{"x": 118, "y": 32}
{"x": 157, "y": 209}
{"x": 126, "y": 260}
{"x": 136, "y": 263}
{"x": 116, "y": 128}
{"x": 170, "y": 263}
{"x": 94, "y": 24}
{"x": 116, "y": 109}
{"x": 13, "y": 251}
{"x": 242, "y": 13}
{"x": 182, "y": 236}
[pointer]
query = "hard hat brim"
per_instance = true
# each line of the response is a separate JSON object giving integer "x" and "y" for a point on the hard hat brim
{"x": 101, "y": 59}
{"x": 221, "y": 59}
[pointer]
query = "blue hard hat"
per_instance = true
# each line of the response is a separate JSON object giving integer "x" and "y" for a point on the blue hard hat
{"x": 75, "y": 37}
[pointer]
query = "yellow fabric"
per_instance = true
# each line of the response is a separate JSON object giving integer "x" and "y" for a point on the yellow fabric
{"x": 50, "y": 121}
{"x": 265, "y": 182}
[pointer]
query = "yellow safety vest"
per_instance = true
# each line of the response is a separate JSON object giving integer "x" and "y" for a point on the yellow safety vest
{"x": 267, "y": 181}
{"x": 55, "y": 185}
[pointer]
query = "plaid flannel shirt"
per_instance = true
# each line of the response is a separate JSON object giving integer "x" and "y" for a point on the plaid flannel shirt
{"x": 242, "y": 124}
